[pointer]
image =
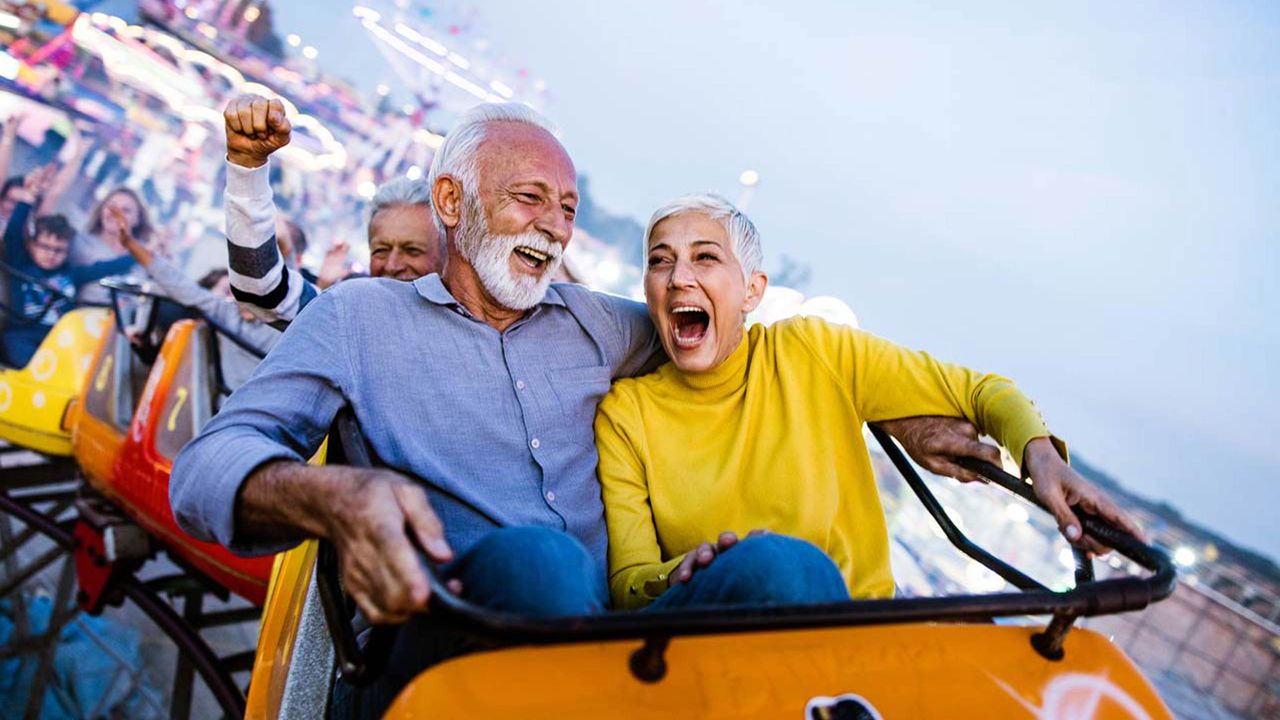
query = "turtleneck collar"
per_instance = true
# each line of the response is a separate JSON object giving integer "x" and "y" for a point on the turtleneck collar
{"x": 728, "y": 375}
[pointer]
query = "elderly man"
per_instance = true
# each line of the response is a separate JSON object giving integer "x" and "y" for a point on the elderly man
{"x": 476, "y": 388}
{"x": 403, "y": 241}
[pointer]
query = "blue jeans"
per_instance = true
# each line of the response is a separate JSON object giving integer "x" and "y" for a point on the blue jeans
{"x": 547, "y": 573}
{"x": 763, "y": 570}
{"x": 532, "y": 571}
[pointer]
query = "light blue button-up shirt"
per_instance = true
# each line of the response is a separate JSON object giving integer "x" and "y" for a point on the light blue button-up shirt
{"x": 498, "y": 426}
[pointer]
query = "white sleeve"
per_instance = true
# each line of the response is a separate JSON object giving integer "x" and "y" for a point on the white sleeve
{"x": 259, "y": 279}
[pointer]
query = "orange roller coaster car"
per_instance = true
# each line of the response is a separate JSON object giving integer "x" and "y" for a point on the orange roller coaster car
{"x": 130, "y": 464}
{"x": 931, "y": 657}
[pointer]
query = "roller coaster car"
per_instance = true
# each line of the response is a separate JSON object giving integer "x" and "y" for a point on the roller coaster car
{"x": 930, "y": 657}
{"x": 127, "y": 434}
{"x": 34, "y": 399}
{"x": 100, "y": 419}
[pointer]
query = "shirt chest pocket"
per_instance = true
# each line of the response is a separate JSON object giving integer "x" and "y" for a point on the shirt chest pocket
{"x": 578, "y": 391}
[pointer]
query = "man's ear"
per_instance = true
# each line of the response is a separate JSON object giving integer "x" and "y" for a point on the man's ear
{"x": 756, "y": 285}
{"x": 446, "y": 198}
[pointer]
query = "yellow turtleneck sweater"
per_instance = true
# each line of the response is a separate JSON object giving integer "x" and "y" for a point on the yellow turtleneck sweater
{"x": 772, "y": 438}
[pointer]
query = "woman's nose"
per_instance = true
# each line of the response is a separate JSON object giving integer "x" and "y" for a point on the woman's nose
{"x": 682, "y": 275}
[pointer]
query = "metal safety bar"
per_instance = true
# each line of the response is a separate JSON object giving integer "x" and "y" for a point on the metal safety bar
{"x": 1100, "y": 597}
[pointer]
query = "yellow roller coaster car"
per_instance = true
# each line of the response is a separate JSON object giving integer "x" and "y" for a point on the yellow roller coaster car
{"x": 34, "y": 399}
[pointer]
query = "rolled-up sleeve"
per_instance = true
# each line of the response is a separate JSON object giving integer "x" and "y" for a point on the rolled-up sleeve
{"x": 282, "y": 413}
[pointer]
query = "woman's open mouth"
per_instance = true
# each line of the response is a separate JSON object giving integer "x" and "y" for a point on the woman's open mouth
{"x": 689, "y": 325}
{"x": 534, "y": 259}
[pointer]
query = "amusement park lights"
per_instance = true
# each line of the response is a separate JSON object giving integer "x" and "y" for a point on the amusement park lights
{"x": 310, "y": 52}
{"x": 410, "y": 43}
{"x": 501, "y": 89}
{"x": 1017, "y": 513}
{"x": 428, "y": 138}
{"x": 136, "y": 64}
{"x": 9, "y": 66}
{"x": 294, "y": 40}
{"x": 1184, "y": 556}
{"x": 749, "y": 178}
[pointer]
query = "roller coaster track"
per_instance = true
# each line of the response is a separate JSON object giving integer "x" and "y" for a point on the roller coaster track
{"x": 41, "y": 497}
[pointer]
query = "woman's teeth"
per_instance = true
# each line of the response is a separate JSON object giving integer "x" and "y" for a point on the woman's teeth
{"x": 690, "y": 325}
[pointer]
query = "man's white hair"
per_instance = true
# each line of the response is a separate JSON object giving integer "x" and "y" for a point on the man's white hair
{"x": 742, "y": 232}
{"x": 401, "y": 192}
{"x": 457, "y": 154}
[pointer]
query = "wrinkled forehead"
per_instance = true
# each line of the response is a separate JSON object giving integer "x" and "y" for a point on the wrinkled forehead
{"x": 514, "y": 152}
{"x": 402, "y": 224}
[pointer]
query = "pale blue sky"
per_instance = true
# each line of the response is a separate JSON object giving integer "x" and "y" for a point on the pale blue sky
{"x": 1083, "y": 196}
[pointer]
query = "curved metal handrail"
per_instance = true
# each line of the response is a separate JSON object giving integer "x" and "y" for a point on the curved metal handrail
{"x": 130, "y": 287}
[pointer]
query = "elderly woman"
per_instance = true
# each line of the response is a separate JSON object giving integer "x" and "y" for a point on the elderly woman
{"x": 751, "y": 430}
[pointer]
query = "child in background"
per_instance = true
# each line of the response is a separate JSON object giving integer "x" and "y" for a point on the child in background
{"x": 42, "y": 285}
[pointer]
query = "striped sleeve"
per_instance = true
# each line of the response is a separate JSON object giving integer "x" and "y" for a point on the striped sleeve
{"x": 260, "y": 281}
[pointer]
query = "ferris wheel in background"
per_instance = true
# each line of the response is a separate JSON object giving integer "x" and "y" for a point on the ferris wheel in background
{"x": 437, "y": 52}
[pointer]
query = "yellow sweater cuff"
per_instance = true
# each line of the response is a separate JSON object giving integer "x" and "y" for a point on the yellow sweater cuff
{"x": 637, "y": 586}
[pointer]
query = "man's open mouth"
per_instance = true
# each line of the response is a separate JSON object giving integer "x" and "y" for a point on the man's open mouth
{"x": 689, "y": 325}
{"x": 535, "y": 259}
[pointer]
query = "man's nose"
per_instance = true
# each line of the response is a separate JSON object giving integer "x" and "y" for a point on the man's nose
{"x": 395, "y": 261}
{"x": 555, "y": 225}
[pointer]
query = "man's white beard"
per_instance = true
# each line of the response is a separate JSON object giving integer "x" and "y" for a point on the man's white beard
{"x": 490, "y": 255}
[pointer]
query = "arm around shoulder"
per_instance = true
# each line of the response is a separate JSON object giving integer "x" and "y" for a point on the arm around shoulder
{"x": 888, "y": 382}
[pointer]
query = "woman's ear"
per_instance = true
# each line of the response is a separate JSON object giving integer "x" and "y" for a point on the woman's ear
{"x": 446, "y": 198}
{"x": 756, "y": 285}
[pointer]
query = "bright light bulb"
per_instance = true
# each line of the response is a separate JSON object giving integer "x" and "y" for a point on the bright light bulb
{"x": 1017, "y": 513}
{"x": 1184, "y": 556}
{"x": 749, "y": 178}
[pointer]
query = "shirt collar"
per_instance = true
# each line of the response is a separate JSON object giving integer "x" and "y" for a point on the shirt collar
{"x": 432, "y": 288}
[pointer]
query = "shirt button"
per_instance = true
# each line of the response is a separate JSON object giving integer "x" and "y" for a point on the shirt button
{"x": 535, "y": 443}
{"x": 551, "y": 496}
{"x": 519, "y": 384}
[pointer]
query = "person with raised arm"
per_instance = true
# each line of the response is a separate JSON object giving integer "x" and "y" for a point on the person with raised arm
{"x": 403, "y": 241}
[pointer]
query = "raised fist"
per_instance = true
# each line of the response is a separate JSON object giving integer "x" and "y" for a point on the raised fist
{"x": 256, "y": 127}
